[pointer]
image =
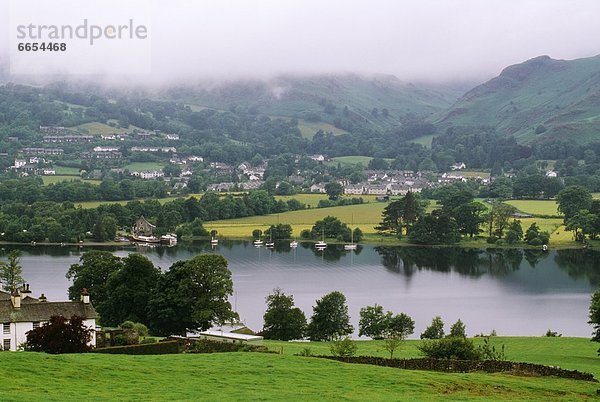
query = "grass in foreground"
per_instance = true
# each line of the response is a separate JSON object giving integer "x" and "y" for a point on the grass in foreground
{"x": 253, "y": 376}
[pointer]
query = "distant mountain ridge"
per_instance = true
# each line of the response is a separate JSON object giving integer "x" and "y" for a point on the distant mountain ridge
{"x": 323, "y": 97}
{"x": 541, "y": 98}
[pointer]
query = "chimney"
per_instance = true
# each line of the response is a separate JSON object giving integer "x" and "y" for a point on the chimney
{"x": 85, "y": 296}
{"x": 25, "y": 291}
{"x": 15, "y": 298}
{"x": 42, "y": 298}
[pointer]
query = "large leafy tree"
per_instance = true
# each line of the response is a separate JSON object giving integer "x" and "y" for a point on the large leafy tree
{"x": 282, "y": 320}
{"x": 435, "y": 228}
{"x": 401, "y": 214}
{"x": 92, "y": 273}
{"x": 330, "y": 318}
{"x": 469, "y": 218}
{"x": 192, "y": 295}
{"x": 372, "y": 322}
{"x": 10, "y": 272}
{"x": 129, "y": 290}
{"x": 573, "y": 199}
{"x": 334, "y": 190}
{"x": 435, "y": 330}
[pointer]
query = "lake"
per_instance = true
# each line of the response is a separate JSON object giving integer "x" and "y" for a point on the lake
{"x": 515, "y": 292}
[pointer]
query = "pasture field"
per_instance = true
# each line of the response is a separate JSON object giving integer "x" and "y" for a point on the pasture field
{"x": 60, "y": 178}
{"x": 260, "y": 376}
{"x": 308, "y": 129}
{"x": 97, "y": 128}
{"x": 66, "y": 171}
{"x": 353, "y": 160}
{"x": 536, "y": 207}
{"x": 424, "y": 140}
{"x": 364, "y": 216}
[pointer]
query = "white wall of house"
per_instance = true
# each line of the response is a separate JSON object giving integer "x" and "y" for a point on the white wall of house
{"x": 18, "y": 333}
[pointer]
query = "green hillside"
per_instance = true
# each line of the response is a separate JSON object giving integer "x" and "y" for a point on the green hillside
{"x": 261, "y": 376}
{"x": 541, "y": 98}
{"x": 324, "y": 98}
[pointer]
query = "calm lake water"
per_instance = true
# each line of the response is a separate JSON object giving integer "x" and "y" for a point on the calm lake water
{"x": 515, "y": 292}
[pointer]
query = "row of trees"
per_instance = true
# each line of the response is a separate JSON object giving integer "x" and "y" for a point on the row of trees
{"x": 331, "y": 227}
{"x": 65, "y": 222}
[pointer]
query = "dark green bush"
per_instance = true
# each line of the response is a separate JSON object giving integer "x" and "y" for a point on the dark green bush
{"x": 450, "y": 348}
{"x": 206, "y": 346}
{"x": 146, "y": 341}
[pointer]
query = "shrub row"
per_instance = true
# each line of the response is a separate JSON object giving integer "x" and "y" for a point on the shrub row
{"x": 464, "y": 366}
{"x": 208, "y": 346}
{"x": 160, "y": 348}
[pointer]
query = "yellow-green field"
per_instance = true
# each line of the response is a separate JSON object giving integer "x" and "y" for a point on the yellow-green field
{"x": 354, "y": 159}
{"x": 364, "y": 216}
{"x": 536, "y": 207}
{"x": 101, "y": 128}
{"x": 424, "y": 140}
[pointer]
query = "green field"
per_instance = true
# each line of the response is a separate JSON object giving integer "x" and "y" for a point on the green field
{"x": 353, "y": 160}
{"x": 66, "y": 171}
{"x": 309, "y": 129}
{"x": 364, "y": 216}
{"x": 60, "y": 178}
{"x": 259, "y": 376}
{"x": 96, "y": 128}
{"x": 536, "y": 207}
{"x": 424, "y": 140}
{"x": 141, "y": 166}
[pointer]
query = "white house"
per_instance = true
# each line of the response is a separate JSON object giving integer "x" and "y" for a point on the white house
{"x": 551, "y": 173}
{"x": 151, "y": 174}
{"x": 20, "y": 313}
{"x": 356, "y": 189}
{"x": 19, "y": 163}
{"x": 458, "y": 166}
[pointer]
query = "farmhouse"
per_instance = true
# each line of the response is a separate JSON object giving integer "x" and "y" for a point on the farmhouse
{"x": 20, "y": 313}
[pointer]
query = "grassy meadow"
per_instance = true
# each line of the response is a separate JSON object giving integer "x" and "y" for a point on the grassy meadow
{"x": 308, "y": 129}
{"x": 536, "y": 207}
{"x": 97, "y": 128}
{"x": 60, "y": 178}
{"x": 141, "y": 166}
{"x": 259, "y": 376}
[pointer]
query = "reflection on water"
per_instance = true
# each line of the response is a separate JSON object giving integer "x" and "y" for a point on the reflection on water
{"x": 521, "y": 292}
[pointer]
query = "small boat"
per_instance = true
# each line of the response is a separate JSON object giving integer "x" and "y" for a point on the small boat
{"x": 214, "y": 241}
{"x": 545, "y": 247}
{"x": 351, "y": 246}
{"x": 293, "y": 244}
{"x": 258, "y": 242}
{"x": 270, "y": 243}
{"x": 145, "y": 239}
{"x": 321, "y": 244}
{"x": 169, "y": 239}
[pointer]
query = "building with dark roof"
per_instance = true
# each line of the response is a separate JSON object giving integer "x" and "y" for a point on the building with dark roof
{"x": 20, "y": 313}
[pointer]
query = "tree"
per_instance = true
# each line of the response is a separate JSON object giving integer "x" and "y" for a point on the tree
{"x": 450, "y": 348}
{"x": 372, "y": 322}
{"x": 334, "y": 190}
{"x": 343, "y": 347}
{"x": 458, "y": 330}
{"x": 595, "y": 317}
{"x": 280, "y": 231}
{"x": 399, "y": 327}
{"x": 192, "y": 295}
{"x": 283, "y": 321}
{"x": 435, "y": 330}
{"x": 435, "y": 228}
{"x": 469, "y": 218}
{"x": 60, "y": 335}
{"x": 330, "y": 318}
{"x": 129, "y": 290}
{"x": 498, "y": 218}
{"x": 92, "y": 273}
{"x": 515, "y": 232}
{"x": 573, "y": 199}
{"x": 10, "y": 272}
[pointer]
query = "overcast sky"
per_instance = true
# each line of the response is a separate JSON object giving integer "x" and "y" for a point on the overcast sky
{"x": 431, "y": 40}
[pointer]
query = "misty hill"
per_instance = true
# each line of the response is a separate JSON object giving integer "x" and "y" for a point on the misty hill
{"x": 539, "y": 99}
{"x": 342, "y": 100}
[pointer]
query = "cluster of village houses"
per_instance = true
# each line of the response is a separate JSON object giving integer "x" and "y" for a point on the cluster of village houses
{"x": 35, "y": 161}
